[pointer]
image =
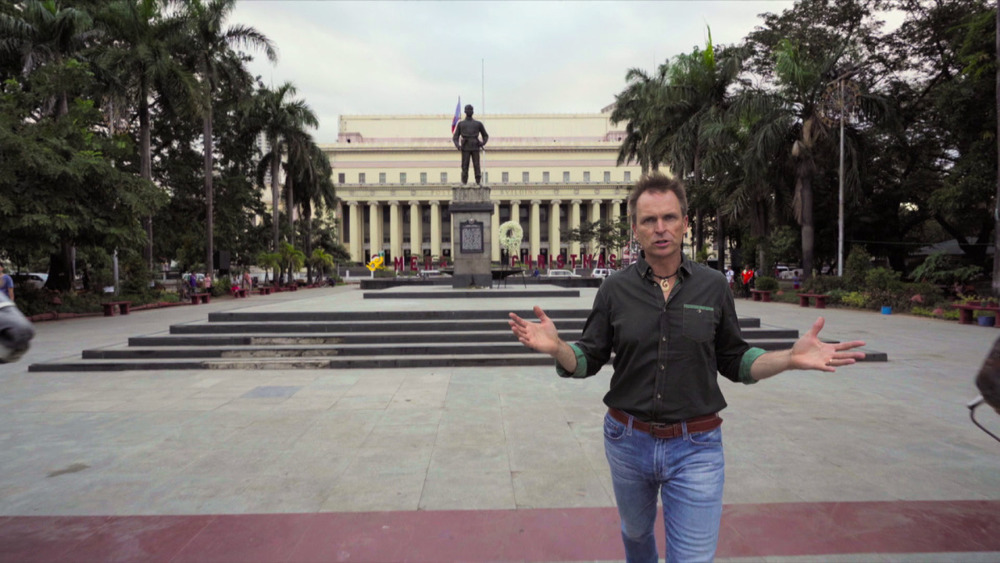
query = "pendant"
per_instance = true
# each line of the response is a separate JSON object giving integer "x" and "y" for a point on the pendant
{"x": 665, "y": 284}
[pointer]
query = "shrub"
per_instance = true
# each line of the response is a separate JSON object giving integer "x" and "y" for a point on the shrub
{"x": 767, "y": 283}
{"x": 824, "y": 284}
{"x": 855, "y": 299}
{"x": 856, "y": 267}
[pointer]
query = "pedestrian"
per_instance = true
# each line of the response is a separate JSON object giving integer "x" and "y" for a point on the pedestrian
{"x": 6, "y": 284}
{"x": 193, "y": 282}
{"x": 672, "y": 326}
{"x": 208, "y": 283}
{"x": 729, "y": 277}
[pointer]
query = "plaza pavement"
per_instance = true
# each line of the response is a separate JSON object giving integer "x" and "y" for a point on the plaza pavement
{"x": 877, "y": 462}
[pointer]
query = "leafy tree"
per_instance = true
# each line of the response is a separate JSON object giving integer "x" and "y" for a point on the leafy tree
{"x": 58, "y": 188}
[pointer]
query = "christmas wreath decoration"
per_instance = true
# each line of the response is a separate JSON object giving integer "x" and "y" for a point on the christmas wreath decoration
{"x": 511, "y": 234}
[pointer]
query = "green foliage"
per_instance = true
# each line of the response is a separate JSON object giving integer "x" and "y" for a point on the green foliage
{"x": 766, "y": 283}
{"x": 855, "y": 299}
{"x": 824, "y": 284}
{"x": 856, "y": 267}
{"x": 942, "y": 269}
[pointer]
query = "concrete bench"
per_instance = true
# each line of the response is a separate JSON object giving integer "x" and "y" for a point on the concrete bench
{"x": 820, "y": 300}
{"x": 264, "y": 290}
{"x": 239, "y": 293}
{"x": 197, "y": 298}
{"x": 763, "y": 295}
{"x": 966, "y": 311}
{"x": 111, "y": 306}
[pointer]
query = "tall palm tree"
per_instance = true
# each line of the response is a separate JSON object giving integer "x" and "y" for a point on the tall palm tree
{"x": 142, "y": 57}
{"x": 793, "y": 113}
{"x": 314, "y": 188}
{"x": 212, "y": 45}
{"x": 694, "y": 95}
{"x": 281, "y": 118}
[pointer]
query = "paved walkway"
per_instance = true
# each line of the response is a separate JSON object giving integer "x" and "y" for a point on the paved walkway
{"x": 878, "y": 462}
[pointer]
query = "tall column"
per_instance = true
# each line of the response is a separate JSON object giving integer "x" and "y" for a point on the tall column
{"x": 595, "y": 216}
{"x": 436, "y": 229}
{"x": 395, "y": 231}
{"x": 554, "y": 242}
{"x": 574, "y": 223}
{"x": 374, "y": 229}
{"x": 616, "y": 212}
{"x": 416, "y": 231}
{"x": 515, "y": 216}
{"x": 536, "y": 229}
{"x": 357, "y": 235}
{"x": 495, "y": 225}
{"x": 338, "y": 213}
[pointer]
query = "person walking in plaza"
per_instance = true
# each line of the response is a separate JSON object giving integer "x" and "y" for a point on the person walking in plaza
{"x": 672, "y": 326}
{"x": 6, "y": 284}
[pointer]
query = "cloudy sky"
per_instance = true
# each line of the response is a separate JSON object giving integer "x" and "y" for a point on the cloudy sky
{"x": 418, "y": 57}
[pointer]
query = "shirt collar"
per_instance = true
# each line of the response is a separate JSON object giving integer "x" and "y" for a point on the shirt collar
{"x": 646, "y": 271}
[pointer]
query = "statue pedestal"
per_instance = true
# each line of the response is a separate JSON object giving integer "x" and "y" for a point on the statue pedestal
{"x": 471, "y": 236}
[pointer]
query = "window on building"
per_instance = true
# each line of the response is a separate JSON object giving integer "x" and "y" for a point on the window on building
{"x": 504, "y": 177}
{"x": 341, "y": 177}
{"x": 381, "y": 177}
{"x": 525, "y": 177}
{"x": 607, "y": 176}
{"x": 545, "y": 177}
{"x": 402, "y": 177}
{"x": 361, "y": 177}
{"x": 586, "y": 176}
{"x": 565, "y": 176}
{"x": 423, "y": 177}
{"x": 628, "y": 176}
{"x": 444, "y": 177}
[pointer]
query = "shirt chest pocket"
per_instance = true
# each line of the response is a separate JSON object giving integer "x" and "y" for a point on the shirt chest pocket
{"x": 698, "y": 322}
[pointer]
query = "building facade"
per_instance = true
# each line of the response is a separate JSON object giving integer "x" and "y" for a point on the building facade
{"x": 395, "y": 173}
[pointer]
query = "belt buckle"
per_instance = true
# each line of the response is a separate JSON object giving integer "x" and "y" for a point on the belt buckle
{"x": 662, "y": 428}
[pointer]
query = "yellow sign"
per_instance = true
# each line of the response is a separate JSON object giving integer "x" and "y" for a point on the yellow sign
{"x": 377, "y": 263}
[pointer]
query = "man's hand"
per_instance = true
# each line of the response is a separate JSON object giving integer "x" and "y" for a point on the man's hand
{"x": 811, "y": 353}
{"x": 541, "y": 336}
{"x": 808, "y": 352}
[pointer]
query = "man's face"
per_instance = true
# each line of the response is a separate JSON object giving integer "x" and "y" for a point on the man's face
{"x": 659, "y": 224}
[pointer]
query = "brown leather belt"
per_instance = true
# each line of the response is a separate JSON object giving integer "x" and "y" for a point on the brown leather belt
{"x": 663, "y": 430}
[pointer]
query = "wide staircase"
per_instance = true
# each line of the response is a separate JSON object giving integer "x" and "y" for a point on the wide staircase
{"x": 349, "y": 340}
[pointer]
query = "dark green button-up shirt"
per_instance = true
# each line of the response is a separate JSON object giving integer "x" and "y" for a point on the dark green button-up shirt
{"x": 667, "y": 354}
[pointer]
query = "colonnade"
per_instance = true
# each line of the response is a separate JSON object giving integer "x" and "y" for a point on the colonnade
{"x": 542, "y": 235}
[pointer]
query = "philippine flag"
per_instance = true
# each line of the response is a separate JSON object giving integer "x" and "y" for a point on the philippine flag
{"x": 458, "y": 115}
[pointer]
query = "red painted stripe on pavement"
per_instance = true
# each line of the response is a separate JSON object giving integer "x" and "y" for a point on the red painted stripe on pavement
{"x": 549, "y": 534}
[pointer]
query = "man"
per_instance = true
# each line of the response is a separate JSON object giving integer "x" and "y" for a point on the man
{"x": 466, "y": 139}
{"x": 672, "y": 326}
{"x": 729, "y": 277}
{"x": 6, "y": 284}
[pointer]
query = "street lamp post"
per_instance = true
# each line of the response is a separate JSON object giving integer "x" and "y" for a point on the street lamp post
{"x": 840, "y": 101}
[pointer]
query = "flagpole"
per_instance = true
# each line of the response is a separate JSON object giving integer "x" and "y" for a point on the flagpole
{"x": 482, "y": 155}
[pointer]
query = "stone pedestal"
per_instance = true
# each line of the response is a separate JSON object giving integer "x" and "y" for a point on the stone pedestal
{"x": 471, "y": 237}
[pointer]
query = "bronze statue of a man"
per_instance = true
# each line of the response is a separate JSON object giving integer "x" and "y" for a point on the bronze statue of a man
{"x": 466, "y": 139}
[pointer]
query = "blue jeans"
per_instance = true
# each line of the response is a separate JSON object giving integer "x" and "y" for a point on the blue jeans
{"x": 687, "y": 472}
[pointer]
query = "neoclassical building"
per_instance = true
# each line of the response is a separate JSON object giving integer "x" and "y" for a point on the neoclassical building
{"x": 395, "y": 173}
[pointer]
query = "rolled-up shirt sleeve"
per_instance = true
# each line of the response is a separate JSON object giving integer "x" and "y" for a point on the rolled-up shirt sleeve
{"x": 594, "y": 347}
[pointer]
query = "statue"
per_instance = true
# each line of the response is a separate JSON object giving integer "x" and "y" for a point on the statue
{"x": 466, "y": 139}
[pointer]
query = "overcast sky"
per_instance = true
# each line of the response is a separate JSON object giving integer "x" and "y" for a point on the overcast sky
{"x": 418, "y": 57}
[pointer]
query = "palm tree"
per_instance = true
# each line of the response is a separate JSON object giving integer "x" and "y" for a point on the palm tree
{"x": 141, "y": 57}
{"x": 212, "y": 45}
{"x": 42, "y": 32}
{"x": 793, "y": 114}
{"x": 282, "y": 118}
{"x": 314, "y": 187}
{"x": 638, "y": 105}
{"x": 694, "y": 95}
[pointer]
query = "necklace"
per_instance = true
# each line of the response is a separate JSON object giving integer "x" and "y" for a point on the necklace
{"x": 663, "y": 280}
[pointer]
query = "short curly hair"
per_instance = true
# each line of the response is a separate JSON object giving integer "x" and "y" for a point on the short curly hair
{"x": 657, "y": 182}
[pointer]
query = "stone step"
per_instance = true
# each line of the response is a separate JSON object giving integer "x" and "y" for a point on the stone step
{"x": 261, "y": 338}
{"x": 362, "y": 326}
{"x": 331, "y": 316}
